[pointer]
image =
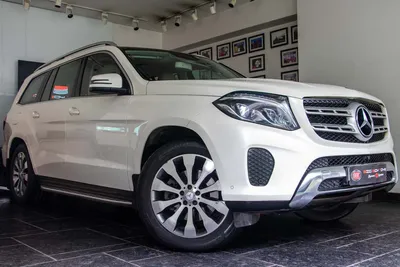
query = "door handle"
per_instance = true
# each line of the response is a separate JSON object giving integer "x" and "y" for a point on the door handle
{"x": 74, "y": 111}
{"x": 35, "y": 115}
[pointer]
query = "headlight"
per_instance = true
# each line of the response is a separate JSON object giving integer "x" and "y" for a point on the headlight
{"x": 266, "y": 109}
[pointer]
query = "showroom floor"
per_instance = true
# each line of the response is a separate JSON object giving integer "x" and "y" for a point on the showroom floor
{"x": 71, "y": 232}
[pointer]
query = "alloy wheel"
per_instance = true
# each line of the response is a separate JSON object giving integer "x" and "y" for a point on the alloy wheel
{"x": 186, "y": 196}
{"x": 20, "y": 174}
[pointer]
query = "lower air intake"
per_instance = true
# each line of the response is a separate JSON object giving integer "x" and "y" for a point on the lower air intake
{"x": 260, "y": 164}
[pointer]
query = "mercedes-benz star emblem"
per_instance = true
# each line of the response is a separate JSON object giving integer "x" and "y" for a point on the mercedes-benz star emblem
{"x": 364, "y": 121}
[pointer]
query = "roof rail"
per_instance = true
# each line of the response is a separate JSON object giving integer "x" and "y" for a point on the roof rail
{"x": 76, "y": 51}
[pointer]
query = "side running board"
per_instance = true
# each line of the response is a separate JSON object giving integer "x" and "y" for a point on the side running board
{"x": 87, "y": 191}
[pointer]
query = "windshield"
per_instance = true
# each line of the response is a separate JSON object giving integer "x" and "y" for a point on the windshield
{"x": 156, "y": 65}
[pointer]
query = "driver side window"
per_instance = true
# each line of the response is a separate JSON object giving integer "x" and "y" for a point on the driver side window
{"x": 99, "y": 64}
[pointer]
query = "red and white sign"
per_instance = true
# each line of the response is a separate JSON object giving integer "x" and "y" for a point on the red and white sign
{"x": 356, "y": 175}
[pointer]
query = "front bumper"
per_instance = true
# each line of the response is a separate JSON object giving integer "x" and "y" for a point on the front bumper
{"x": 229, "y": 141}
{"x": 310, "y": 187}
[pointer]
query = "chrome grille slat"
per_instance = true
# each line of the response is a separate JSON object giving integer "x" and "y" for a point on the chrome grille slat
{"x": 333, "y": 128}
{"x": 334, "y": 119}
{"x": 378, "y": 115}
{"x": 328, "y": 111}
{"x": 381, "y": 129}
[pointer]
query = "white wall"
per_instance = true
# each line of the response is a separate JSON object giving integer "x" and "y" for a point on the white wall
{"x": 272, "y": 56}
{"x": 354, "y": 44}
{"x": 242, "y": 17}
{"x": 41, "y": 35}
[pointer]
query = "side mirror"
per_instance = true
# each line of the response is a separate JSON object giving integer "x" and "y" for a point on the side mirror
{"x": 107, "y": 83}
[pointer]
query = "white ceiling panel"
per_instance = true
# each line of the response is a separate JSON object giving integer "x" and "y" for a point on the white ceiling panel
{"x": 150, "y": 11}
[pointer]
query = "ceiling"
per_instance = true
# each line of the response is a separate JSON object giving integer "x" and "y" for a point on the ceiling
{"x": 150, "y": 12}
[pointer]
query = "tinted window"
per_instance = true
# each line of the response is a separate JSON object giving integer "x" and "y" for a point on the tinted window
{"x": 66, "y": 80}
{"x": 99, "y": 64}
{"x": 32, "y": 92}
{"x": 49, "y": 86}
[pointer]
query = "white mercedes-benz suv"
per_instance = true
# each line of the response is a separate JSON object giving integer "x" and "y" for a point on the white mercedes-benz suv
{"x": 196, "y": 147}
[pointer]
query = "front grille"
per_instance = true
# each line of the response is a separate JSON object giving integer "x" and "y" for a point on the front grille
{"x": 349, "y": 138}
{"x": 260, "y": 164}
{"x": 333, "y": 119}
{"x": 333, "y": 184}
{"x": 349, "y": 160}
{"x": 327, "y": 119}
{"x": 340, "y": 103}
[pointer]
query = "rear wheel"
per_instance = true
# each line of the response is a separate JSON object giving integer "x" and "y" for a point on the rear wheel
{"x": 22, "y": 180}
{"x": 328, "y": 213}
{"x": 180, "y": 199}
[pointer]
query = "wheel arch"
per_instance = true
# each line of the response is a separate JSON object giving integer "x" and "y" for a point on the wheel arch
{"x": 15, "y": 142}
{"x": 163, "y": 135}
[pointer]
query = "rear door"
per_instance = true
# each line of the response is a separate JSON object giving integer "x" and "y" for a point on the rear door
{"x": 49, "y": 120}
{"x": 97, "y": 138}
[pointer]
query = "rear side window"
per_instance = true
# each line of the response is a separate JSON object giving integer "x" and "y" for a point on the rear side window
{"x": 66, "y": 80}
{"x": 32, "y": 92}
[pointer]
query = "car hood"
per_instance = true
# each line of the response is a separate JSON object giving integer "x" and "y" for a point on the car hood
{"x": 220, "y": 88}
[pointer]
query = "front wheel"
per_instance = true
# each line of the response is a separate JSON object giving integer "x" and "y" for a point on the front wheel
{"x": 180, "y": 199}
{"x": 328, "y": 213}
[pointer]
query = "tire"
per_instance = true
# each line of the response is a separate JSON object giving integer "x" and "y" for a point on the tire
{"x": 162, "y": 220}
{"x": 24, "y": 187}
{"x": 328, "y": 214}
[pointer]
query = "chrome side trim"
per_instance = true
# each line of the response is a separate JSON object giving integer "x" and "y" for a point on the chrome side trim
{"x": 76, "y": 51}
{"x": 89, "y": 197}
{"x": 308, "y": 189}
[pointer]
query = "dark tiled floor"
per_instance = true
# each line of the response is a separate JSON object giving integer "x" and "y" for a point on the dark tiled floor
{"x": 70, "y": 232}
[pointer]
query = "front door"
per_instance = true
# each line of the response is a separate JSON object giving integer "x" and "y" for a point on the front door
{"x": 97, "y": 138}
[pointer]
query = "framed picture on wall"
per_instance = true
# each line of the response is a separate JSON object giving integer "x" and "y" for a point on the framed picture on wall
{"x": 239, "y": 47}
{"x": 259, "y": 77}
{"x": 256, "y": 43}
{"x": 223, "y": 51}
{"x": 207, "y": 53}
{"x": 194, "y": 53}
{"x": 279, "y": 37}
{"x": 257, "y": 63}
{"x": 289, "y": 57}
{"x": 290, "y": 75}
{"x": 295, "y": 34}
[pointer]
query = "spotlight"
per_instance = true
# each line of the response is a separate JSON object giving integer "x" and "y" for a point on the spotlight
{"x": 58, "y": 3}
{"x": 69, "y": 11}
{"x": 213, "y": 8}
{"x": 232, "y": 3}
{"x": 27, "y": 4}
{"x": 178, "y": 20}
{"x": 164, "y": 25}
{"x": 194, "y": 15}
{"x": 135, "y": 24}
{"x": 104, "y": 18}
